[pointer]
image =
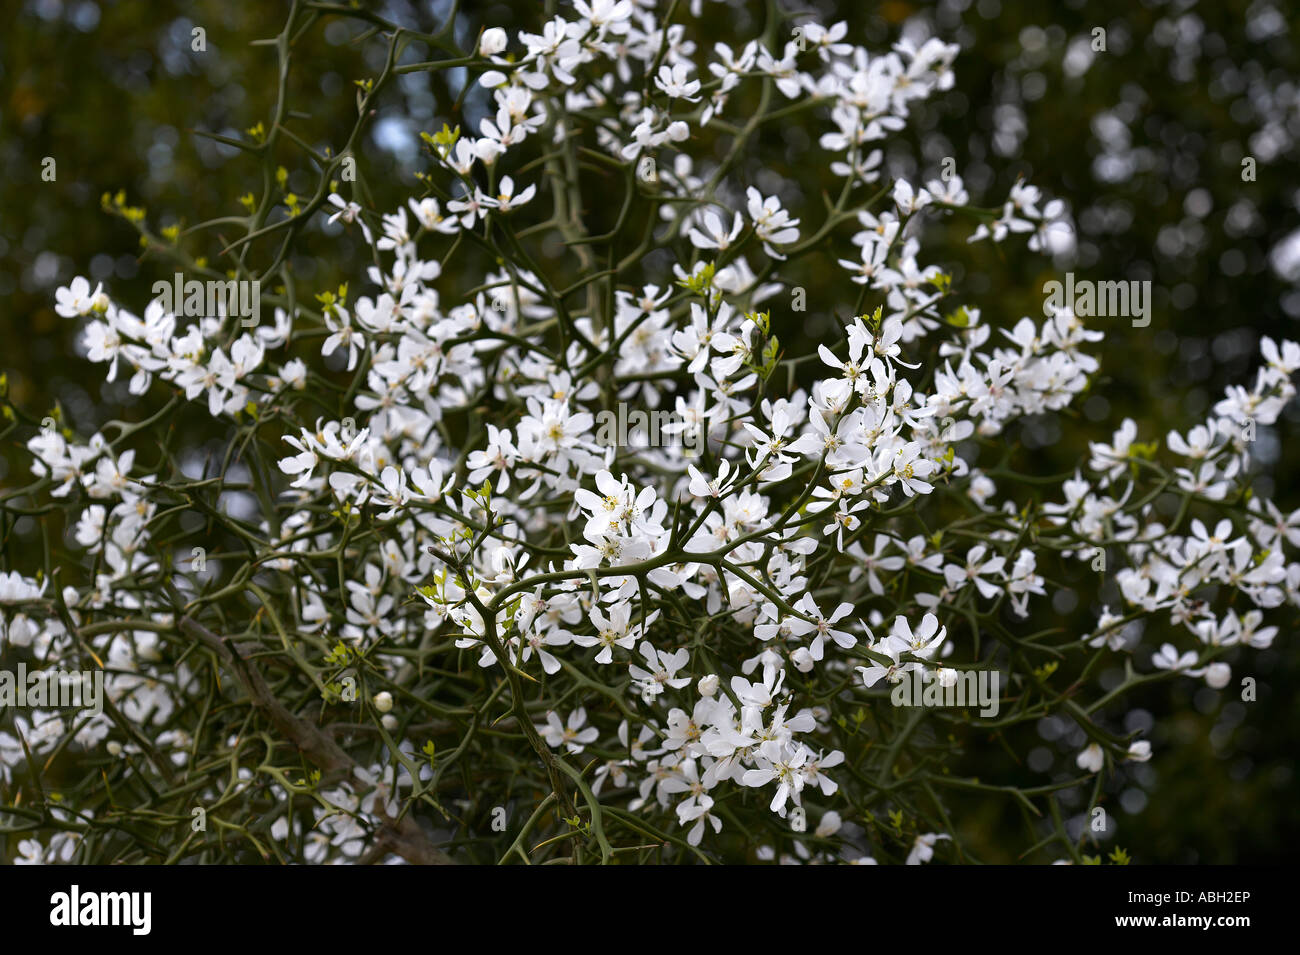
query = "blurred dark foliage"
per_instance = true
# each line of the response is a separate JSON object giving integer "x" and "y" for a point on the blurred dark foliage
{"x": 1144, "y": 141}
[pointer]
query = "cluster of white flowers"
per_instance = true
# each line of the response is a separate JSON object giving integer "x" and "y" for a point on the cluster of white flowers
{"x": 1172, "y": 571}
{"x": 670, "y": 612}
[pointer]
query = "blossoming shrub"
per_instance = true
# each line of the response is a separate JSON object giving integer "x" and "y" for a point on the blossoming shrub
{"x": 414, "y": 598}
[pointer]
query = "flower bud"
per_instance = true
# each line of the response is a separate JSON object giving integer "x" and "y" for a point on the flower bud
{"x": 1139, "y": 751}
{"x": 1217, "y": 675}
{"x": 384, "y": 702}
{"x": 708, "y": 685}
{"x": 492, "y": 42}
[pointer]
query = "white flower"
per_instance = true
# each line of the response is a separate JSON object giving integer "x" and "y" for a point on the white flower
{"x": 821, "y": 627}
{"x": 674, "y": 80}
{"x": 975, "y": 571}
{"x": 15, "y": 588}
{"x": 571, "y": 736}
{"x": 772, "y": 224}
{"x": 712, "y": 234}
{"x": 923, "y": 847}
{"x": 492, "y": 42}
{"x": 1217, "y": 675}
{"x": 429, "y": 214}
{"x": 607, "y": 14}
{"x": 1091, "y": 758}
{"x": 506, "y": 200}
{"x": 76, "y": 298}
{"x": 909, "y": 200}
{"x": 924, "y": 643}
{"x": 1139, "y": 751}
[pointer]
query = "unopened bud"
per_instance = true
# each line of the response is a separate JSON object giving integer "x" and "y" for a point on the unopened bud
{"x": 492, "y": 42}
